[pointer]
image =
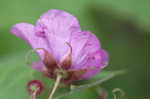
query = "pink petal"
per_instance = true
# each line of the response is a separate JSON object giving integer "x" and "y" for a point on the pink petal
{"x": 57, "y": 26}
{"x": 58, "y": 45}
{"x": 104, "y": 58}
{"x": 87, "y": 53}
{"x": 83, "y": 44}
{"x": 58, "y": 23}
{"x": 26, "y": 32}
{"x": 95, "y": 63}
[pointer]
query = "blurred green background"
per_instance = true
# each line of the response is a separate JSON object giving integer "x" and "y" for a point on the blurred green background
{"x": 123, "y": 27}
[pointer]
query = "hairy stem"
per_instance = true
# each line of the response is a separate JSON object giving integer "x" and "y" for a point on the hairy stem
{"x": 58, "y": 79}
{"x": 33, "y": 96}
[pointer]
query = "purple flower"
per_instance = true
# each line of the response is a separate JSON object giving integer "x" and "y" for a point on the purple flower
{"x": 63, "y": 46}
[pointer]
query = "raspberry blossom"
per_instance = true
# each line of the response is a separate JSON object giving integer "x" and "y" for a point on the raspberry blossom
{"x": 63, "y": 47}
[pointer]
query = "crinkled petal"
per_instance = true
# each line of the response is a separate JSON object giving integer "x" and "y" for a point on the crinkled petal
{"x": 88, "y": 54}
{"x": 104, "y": 58}
{"x": 57, "y": 26}
{"x": 59, "y": 47}
{"x": 95, "y": 63}
{"x": 26, "y": 32}
{"x": 58, "y": 23}
{"x": 83, "y": 44}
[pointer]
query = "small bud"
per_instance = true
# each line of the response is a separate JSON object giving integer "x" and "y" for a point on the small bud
{"x": 35, "y": 87}
{"x": 118, "y": 93}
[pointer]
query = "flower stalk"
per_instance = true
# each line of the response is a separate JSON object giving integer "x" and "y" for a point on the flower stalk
{"x": 58, "y": 79}
{"x": 33, "y": 96}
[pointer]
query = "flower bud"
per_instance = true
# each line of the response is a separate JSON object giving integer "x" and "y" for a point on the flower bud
{"x": 35, "y": 87}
